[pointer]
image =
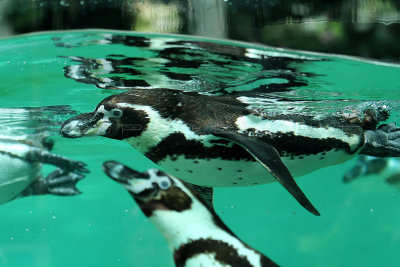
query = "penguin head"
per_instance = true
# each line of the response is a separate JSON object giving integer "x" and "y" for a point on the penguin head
{"x": 142, "y": 185}
{"x": 152, "y": 189}
{"x": 113, "y": 118}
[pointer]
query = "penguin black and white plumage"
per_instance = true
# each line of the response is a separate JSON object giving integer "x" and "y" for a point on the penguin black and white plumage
{"x": 212, "y": 141}
{"x": 195, "y": 234}
{"x": 22, "y": 154}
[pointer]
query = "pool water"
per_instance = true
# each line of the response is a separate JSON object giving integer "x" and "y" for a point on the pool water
{"x": 359, "y": 223}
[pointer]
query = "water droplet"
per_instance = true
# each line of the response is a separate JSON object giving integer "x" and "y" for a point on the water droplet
{"x": 53, "y": 217}
{"x": 371, "y": 210}
{"x": 126, "y": 211}
{"x": 27, "y": 230}
{"x": 12, "y": 238}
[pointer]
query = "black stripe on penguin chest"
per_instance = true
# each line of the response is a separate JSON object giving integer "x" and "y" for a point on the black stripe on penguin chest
{"x": 176, "y": 145}
{"x": 291, "y": 145}
{"x": 224, "y": 253}
{"x": 287, "y": 144}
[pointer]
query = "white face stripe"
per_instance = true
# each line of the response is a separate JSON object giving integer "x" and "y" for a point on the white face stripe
{"x": 196, "y": 223}
{"x": 157, "y": 129}
{"x": 137, "y": 186}
{"x": 259, "y": 124}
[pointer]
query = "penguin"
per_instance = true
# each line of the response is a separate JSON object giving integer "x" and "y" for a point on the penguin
{"x": 195, "y": 234}
{"x": 220, "y": 140}
{"x": 21, "y": 163}
{"x": 24, "y": 148}
{"x": 387, "y": 168}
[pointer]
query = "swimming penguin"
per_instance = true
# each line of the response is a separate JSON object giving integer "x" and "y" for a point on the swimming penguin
{"x": 195, "y": 234}
{"x": 20, "y": 168}
{"x": 386, "y": 168}
{"x": 211, "y": 141}
{"x": 25, "y": 146}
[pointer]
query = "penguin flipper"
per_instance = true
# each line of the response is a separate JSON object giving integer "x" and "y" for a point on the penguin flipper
{"x": 43, "y": 156}
{"x": 269, "y": 158}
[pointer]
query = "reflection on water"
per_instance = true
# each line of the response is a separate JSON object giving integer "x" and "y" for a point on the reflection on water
{"x": 366, "y": 28}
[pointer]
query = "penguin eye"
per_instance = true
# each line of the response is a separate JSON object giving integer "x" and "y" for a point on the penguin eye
{"x": 164, "y": 184}
{"x": 116, "y": 113}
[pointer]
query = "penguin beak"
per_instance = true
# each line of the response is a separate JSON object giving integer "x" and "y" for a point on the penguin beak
{"x": 121, "y": 173}
{"x": 138, "y": 184}
{"x": 83, "y": 124}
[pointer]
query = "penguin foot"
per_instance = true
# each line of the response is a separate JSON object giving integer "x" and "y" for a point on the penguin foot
{"x": 383, "y": 142}
{"x": 58, "y": 183}
{"x": 63, "y": 183}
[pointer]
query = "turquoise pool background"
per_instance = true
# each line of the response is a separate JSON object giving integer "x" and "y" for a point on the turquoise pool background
{"x": 359, "y": 223}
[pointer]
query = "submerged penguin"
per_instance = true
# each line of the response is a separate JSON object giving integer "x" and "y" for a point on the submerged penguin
{"x": 20, "y": 167}
{"x": 387, "y": 168}
{"x": 214, "y": 141}
{"x": 195, "y": 234}
{"x": 24, "y": 147}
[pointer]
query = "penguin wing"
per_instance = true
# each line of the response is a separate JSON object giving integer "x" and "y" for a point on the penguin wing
{"x": 269, "y": 158}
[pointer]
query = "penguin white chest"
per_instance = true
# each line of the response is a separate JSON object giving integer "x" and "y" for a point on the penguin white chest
{"x": 226, "y": 173}
{"x": 16, "y": 173}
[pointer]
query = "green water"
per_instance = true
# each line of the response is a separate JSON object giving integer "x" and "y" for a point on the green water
{"x": 359, "y": 223}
